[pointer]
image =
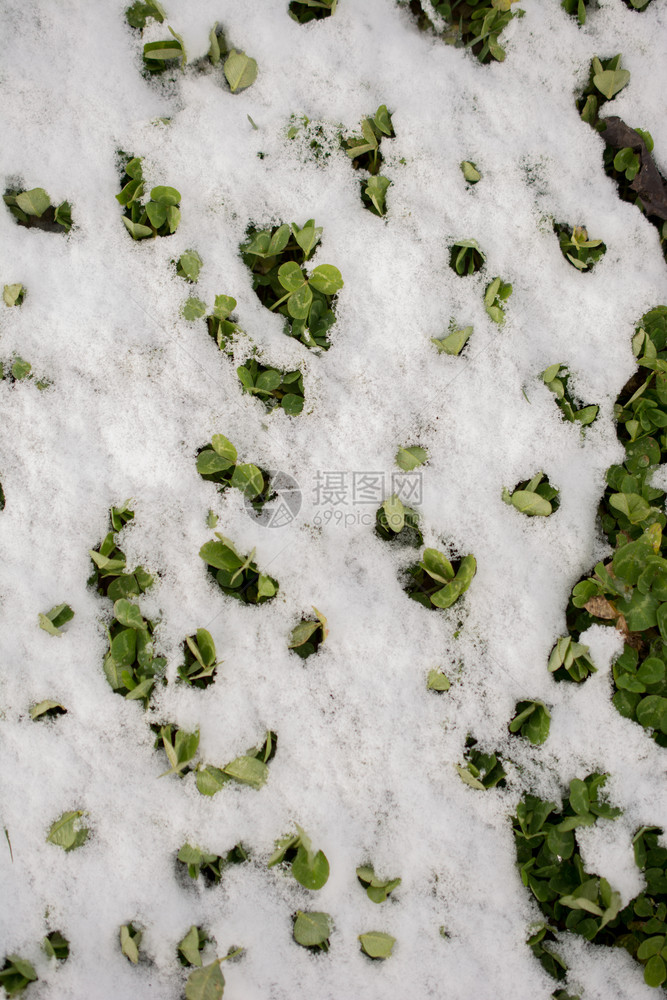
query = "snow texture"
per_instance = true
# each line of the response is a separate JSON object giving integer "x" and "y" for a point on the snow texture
{"x": 366, "y": 754}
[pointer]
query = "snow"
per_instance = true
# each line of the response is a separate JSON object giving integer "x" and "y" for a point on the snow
{"x": 366, "y": 754}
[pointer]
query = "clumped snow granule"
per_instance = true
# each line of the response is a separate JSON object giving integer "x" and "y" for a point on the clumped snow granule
{"x": 366, "y": 755}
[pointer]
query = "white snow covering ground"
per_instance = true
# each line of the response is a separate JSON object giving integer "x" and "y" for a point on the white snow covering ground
{"x": 366, "y": 754}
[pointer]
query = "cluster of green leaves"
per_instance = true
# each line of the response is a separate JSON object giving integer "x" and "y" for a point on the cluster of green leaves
{"x": 221, "y": 325}
{"x": 435, "y": 582}
{"x": 534, "y": 497}
{"x": 130, "y": 942}
{"x": 475, "y": 24}
{"x": 377, "y": 889}
{"x": 481, "y": 770}
{"x": 556, "y": 377}
{"x": 200, "y": 662}
{"x": 205, "y": 982}
{"x": 34, "y": 210}
{"x": 364, "y": 151}
{"x": 179, "y": 746}
{"x": 13, "y": 295}
{"x": 130, "y": 665}
{"x": 237, "y": 575}
{"x": 573, "y": 899}
{"x": 16, "y": 974}
{"x": 312, "y": 930}
{"x": 68, "y": 831}
{"x": 466, "y": 257}
{"x": 570, "y": 660}
{"x": 454, "y": 341}
{"x": 576, "y": 247}
{"x": 159, "y": 216}
{"x": 210, "y": 866}
{"x": 53, "y": 621}
{"x": 532, "y": 721}
{"x": 217, "y": 463}
{"x": 276, "y": 388}
{"x": 629, "y": 590}
{"x": 295, "y": 851}
{"x": 605, "y": 80}
{"x": 394, "y": 521}
{"x": 308, "y": 635}
{"x": 495, "y": 294}
{"x": 275, "y": 258}
{"x": 304, "y": 11}
{"x": 250, "y": 768}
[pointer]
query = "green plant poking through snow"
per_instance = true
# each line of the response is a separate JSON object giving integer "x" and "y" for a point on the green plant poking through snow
{"x": 435, "y": 582}
{"x": 295, "y": 851}
{"x": 236, "y": 575}
{"x": 582, "y": 252}
{"x": 276, "y": 258}
{"x": 159, "y": 216}
{"x": 33, "y": 209}
{"x": 534, "y": 497}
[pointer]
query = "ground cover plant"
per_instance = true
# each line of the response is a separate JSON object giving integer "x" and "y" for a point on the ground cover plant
{"x": 33, "y": 209}
{"x": 347, "y": 729}
{"x": 275, "y": 258}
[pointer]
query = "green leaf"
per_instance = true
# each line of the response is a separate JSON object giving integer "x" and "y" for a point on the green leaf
{"x": 291, "y": 276}
{"x": 579, "y": 797}
{"x": 395, "y": 514}
{"x": 189, "y": 947}
{"x": 128, "y": 945}
{"x": 311, "y": 929}
{"x": 220, "y": 556}
{"x": 383, "y": 120}
{"x": 206, "y": 646}
{"x": 42, "y": 707}
{"x": 299, "y": 302}
{"x": 189, "y": 265}
{"x": 67, "y": 832}
{"x": 240, "y": 71}
{"x": 136, "y": 230}
{"x": 193, "y": 308}
{"x": 454, "y": 342}
{"x": 376, "y": 190}
{"x": 531, "y": 504}
{"x": 279, "y": 240}
{"x": 655, "y": 971}
{"x": 634, "y": 507}
{"x": 157, "y": 214}
{"x": 310, "y": 871}
{"x": 292, "y": 404}
{"x": 165, "y": 195}
{"x": 33, "y": 202}
{"x": 411, "y": 457}
{"x": 308, "y": 238}
{"x": 208, "y": 463}
{"x": 224, "y": 306}
{"x": 207, "y": 983}
{"x": 302, "y": 632}
{"x": 610, "y": 81}
{"x": 268, "y": 380}
{"x": 128, "y": 614}
{"x": 210, "y": 780}
{"x": 13, "y": 294}
{"x": 248, "y": 479}
{"x": 248, "y": 771}
{"x": 224, "y": 448}
{"x": 437, "y": 681}
{"x": 470, "y": 172}
{"x": 54, "y": 619}
{"x": 124, "y": 647}
{"x": 469, "y": 779}
{"x": 326, "y": 279}
{"x": 377, "y": 944}
{"x": 437, "y": 566}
